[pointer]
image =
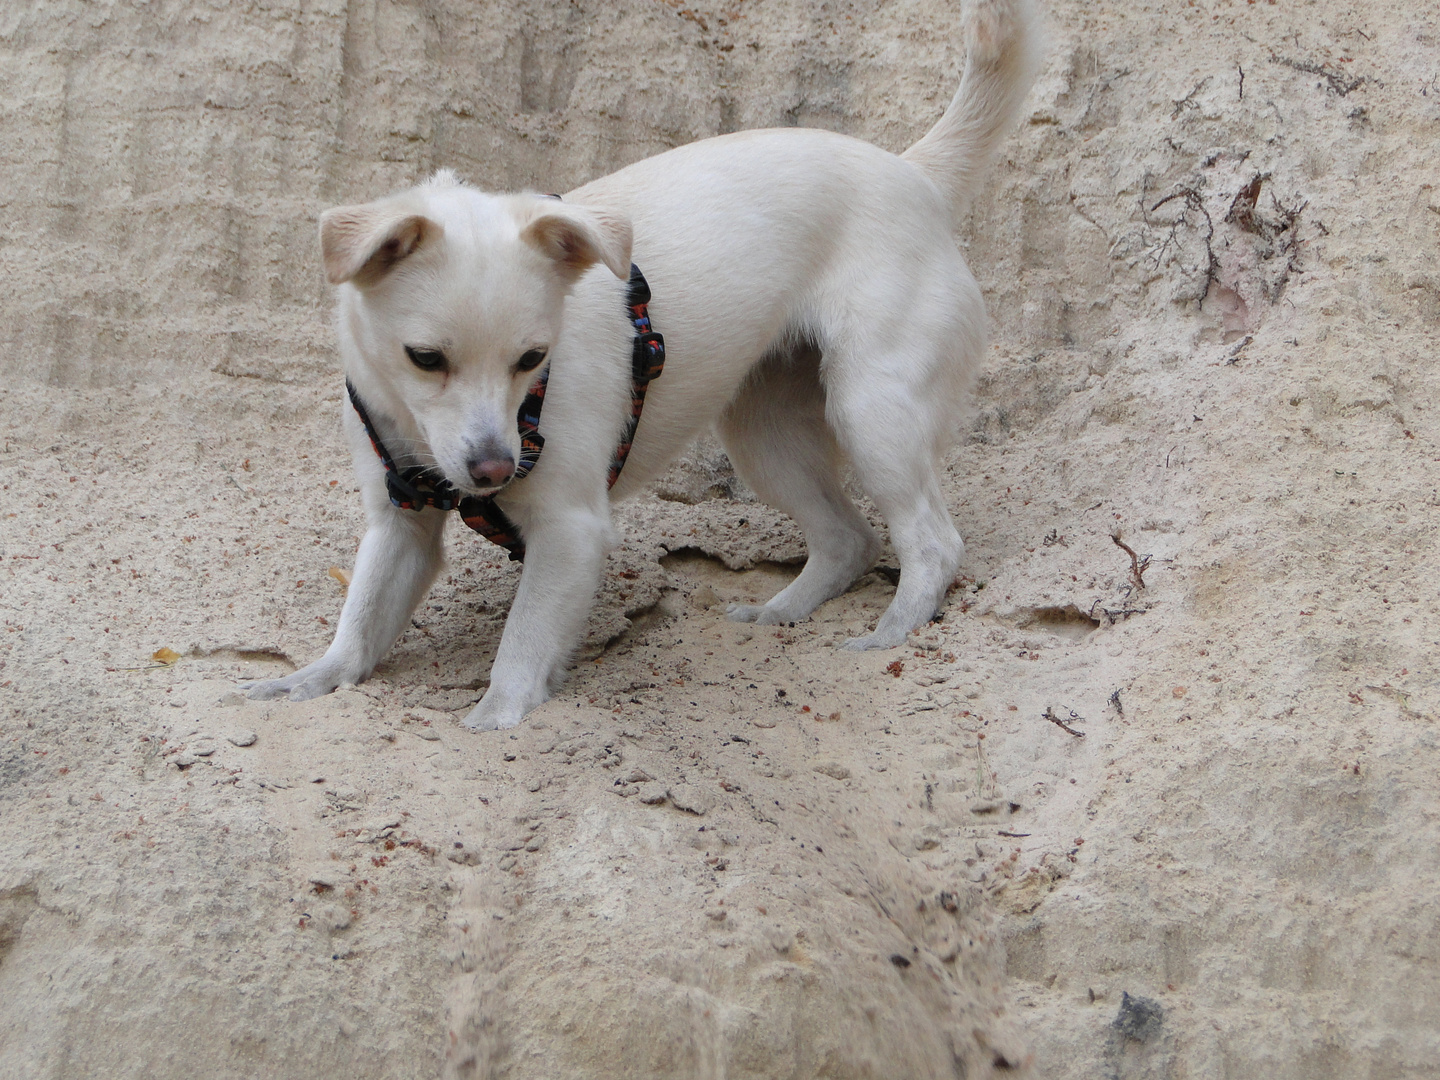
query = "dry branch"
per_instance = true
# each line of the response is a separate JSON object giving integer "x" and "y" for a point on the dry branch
{"x": 1049, "y": 714}
{"x": 1137, "y": 564}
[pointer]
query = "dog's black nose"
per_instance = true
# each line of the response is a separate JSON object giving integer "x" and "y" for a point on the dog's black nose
{"x": 492, "y": 471}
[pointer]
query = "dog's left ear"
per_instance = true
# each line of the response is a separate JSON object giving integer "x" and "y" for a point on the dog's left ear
{"x": 577, "y": 237}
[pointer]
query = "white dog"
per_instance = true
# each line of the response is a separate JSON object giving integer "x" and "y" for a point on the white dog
{"x": 815, "y": 308}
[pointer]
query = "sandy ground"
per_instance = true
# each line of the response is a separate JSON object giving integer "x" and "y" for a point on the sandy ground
{"x": 722, "y": 850}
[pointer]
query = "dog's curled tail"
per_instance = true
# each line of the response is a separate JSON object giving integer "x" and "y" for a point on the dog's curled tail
{"x": 1002, "y": 43}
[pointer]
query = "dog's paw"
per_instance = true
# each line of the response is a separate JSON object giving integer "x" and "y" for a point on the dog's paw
{"x": 303, "y": 685}
{"x": 503, "y": 707}
{"x": 485, "y": 717}
{"x": 745, "y": 612}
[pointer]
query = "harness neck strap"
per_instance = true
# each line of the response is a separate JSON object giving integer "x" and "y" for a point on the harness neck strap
{"x": 418, "y": 488}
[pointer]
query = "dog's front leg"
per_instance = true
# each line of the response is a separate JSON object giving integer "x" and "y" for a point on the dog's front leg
{"x": 398, "y": 559}
{"x": 564, "y": 556}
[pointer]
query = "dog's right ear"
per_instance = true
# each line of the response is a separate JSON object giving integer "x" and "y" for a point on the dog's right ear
{"x": 361, "y": 244}
{"x": 577, "y": 238}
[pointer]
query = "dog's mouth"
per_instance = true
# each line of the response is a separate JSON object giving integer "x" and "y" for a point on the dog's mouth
{"x": 482, "y": 491}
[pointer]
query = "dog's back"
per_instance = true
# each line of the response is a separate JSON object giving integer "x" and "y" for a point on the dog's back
{"x": 758, "y": 239}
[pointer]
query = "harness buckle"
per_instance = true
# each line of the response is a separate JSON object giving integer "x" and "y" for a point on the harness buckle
{"x": 407, "y": 495}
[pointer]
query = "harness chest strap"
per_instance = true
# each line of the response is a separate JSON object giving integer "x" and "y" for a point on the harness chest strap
{"x": 418, "y": 488}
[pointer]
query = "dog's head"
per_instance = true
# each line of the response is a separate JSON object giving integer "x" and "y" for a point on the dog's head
{"x": 451, "y": 300}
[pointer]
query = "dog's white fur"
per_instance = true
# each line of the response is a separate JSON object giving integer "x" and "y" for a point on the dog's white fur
{"x": 815, "y": 309}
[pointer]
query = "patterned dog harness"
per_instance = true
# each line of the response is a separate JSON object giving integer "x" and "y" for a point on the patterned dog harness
{"x": 417, "y": 488}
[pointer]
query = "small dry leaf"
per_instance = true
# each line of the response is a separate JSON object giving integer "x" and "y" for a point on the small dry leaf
{"x": 165, "y": 656}
{"x": 342, "y": 576}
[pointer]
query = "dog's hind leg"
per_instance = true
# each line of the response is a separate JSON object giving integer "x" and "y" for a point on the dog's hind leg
{"x": 924, "y": 537}
{"x": 893, "y": 403}
{"x": 776, "y": 435}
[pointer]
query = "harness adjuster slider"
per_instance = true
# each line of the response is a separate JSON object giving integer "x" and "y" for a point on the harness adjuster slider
{"x": 647, "y": 358}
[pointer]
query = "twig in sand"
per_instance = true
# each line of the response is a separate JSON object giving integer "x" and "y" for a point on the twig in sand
{"x": 1112, "y": 616}
{"x": 1194, "y": 200}
{"x": 1188, "y": 101}
{"x": 1074, "y": 718}
{"x": 1233, "y": 356}
{"x": 1338, "y": 82}
{"x": 1137, "y": 565}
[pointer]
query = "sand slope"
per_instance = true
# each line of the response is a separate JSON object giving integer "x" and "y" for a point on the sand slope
{"x": 729, "y": 851}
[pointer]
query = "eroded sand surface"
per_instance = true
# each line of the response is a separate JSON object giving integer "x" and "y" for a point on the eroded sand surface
{"x": 721, "y": 850}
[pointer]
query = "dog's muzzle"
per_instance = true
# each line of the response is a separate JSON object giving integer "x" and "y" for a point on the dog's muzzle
{"x": 491, "y": 472}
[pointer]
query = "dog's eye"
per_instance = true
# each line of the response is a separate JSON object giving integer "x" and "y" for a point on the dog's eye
{"x": 426, "y": 359}
{"x": 531, "y": 360}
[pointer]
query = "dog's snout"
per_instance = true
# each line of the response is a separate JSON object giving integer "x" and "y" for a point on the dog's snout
{"x": 491, "y": 469}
